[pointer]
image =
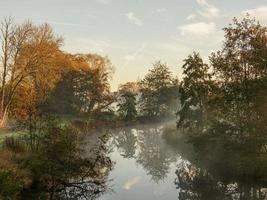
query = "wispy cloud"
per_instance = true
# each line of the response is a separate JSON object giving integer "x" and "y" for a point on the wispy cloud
{"x": 200, "y": 28}
{"x": 130, "y": 183}
{"x": 134, "y": 19}
{"x": 202, "y": 2}
{"x": 210, "y": 12}
{"x": 259, "y": 13}
{"x": 207, "y": 10}
{"x": 191, "y": 17}
{"x": 133, "y": 56}
{"x": 85, "y": 45}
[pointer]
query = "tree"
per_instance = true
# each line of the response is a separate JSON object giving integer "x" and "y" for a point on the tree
{"x": 69, "y": 171}
{"x": 159, "y": 90}
{"x": 244, "y": 51}
{"x": 127, "y": 101}
{"x": 240, "y": 68}
{"x": 30, "y": 58}
{"x": 85, "y": 89}
{"x": 194, "y": 90}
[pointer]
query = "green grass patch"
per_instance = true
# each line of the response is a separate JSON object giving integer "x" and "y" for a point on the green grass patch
{"x": 4, "y": 133}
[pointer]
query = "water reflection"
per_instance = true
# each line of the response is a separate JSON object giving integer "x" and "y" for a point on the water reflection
{"x": 92, "y": 182}
{"x": 146, "y": 146}
{"x": 154, "y": 155}
{"x": 126, "y": 142}
{"x": 150, "y": 165}
{"x": 198, "y": 184}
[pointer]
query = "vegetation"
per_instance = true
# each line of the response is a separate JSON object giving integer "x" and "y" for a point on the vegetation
{"x": 127, "y": 101}
{"x": 222, "y": 113}
{"x": 223, "y": 104}
{"x": 159, "y": 92}
{"x": 40, "y": 81}
{"x": 51, "y": 163}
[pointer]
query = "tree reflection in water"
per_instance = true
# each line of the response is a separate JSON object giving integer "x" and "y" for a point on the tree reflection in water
{"x": 92, "y": 182}
{"x": 154, "y": 155}
{"x": 145, "y": 144}
{"x": 197, "y": 184}
{"x": 126, "y": 142}
{"x": 207, "y": 169}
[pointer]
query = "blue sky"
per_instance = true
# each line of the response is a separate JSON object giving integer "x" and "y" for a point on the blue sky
{"x": 136, "y": 33}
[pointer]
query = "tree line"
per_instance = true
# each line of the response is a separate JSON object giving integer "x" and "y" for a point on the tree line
{"x": 230, "y": 91}
{"x": 40, "y": 85}
{"x": 223, "y": 104}
{"x": 38, "y": 77}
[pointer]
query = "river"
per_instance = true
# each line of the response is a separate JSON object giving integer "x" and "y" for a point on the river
{"x": 147, "y": 166}
{"x": 144, "y": 165}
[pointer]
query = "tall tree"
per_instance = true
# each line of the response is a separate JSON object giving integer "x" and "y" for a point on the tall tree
{"x": 194, "y": 89}
{"x": 240, "y": 68}
{"x": 159, "y": 90}
{"x": 29, "y": 57}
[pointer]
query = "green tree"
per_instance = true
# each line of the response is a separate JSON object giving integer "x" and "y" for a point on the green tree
{"x": 127, "y": 101}
{"x": 67, "y": 166}
{"x": 194, "y": 90}
{"x": 159, "y": 91}
{"x": 240, "y": 70}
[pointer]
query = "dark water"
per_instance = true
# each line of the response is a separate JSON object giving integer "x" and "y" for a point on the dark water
{"x": 149, "y": 167}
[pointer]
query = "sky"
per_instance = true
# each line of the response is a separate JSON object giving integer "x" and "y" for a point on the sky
{"x": 136, "y": 33}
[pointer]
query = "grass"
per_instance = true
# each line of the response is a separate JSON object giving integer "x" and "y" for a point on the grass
{"x": 4, "y": 132}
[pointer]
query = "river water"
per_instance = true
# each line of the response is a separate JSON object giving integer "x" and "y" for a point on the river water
{"x": 147, "y": 165}
{"x": 144, "y": 165}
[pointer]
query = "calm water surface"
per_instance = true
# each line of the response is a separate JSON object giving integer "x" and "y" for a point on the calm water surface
{"x": 144, "y": 166}
{"x": 148, "y": 167}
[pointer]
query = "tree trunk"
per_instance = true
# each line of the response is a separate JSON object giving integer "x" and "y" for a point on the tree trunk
{"x": 3, "y": 119}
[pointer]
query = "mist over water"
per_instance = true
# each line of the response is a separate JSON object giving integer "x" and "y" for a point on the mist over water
{"x": 144, "y": 164}
{"x": 156, "y": 162}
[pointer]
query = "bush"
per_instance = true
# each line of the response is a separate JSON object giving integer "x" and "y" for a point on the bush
{"x": 12, "y": 179}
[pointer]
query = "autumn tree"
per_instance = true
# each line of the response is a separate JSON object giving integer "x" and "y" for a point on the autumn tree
{"x": 31, "y": 61}
{"x": 85, "y": 89}
{"x": 159, "y": 91}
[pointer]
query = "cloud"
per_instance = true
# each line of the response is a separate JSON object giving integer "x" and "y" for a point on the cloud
{"x": 130, "y": 183}
{"x": 135, "y": 20}
{"x": 259, "y": 13}
{"x": 207, "y": 10}
{"x": 210, "y": 12}
{"x": 191, "y": 17}
{"x": 133, "y": 56}
{"x": 85, "y": 45}
{"x": 202, "y": 3}
{"x": 200, "y": 28}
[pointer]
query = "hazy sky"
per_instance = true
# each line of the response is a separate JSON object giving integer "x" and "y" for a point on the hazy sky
{"x": 136, "y": 33}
